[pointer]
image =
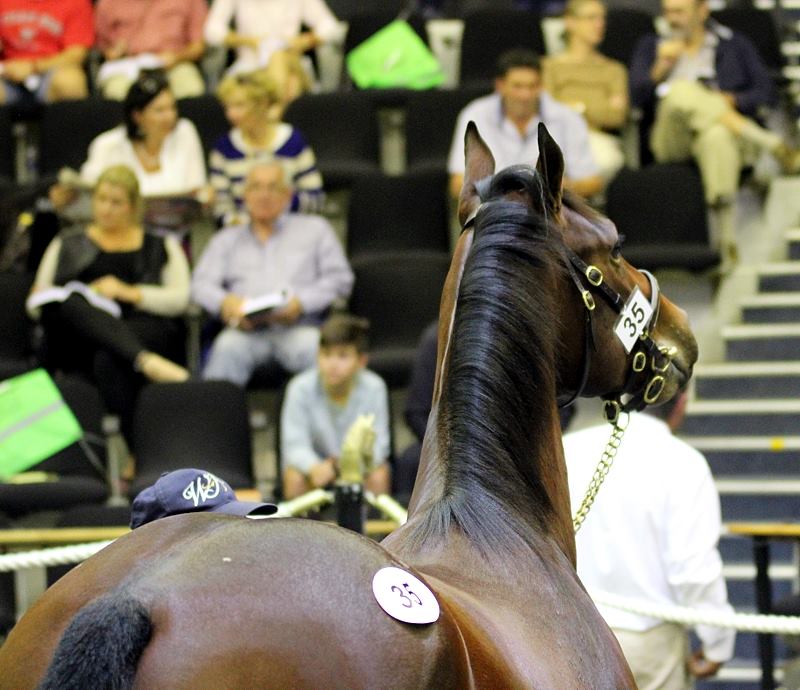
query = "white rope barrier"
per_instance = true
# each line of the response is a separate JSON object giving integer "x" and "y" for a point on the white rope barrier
{"x": 60, "y": 555}
{"x": 747, "y": 622}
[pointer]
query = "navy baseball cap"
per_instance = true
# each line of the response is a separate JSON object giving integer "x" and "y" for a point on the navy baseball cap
{"x": 188, "y": 491}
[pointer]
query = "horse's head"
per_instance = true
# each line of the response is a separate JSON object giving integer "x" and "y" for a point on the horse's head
{"x": 610, "y": 345}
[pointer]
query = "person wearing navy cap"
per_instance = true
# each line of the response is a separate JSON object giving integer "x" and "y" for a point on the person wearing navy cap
{"x": 190, "y": 491}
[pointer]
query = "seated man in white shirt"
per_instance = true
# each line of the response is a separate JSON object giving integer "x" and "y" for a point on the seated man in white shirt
{"x": 652, "y": 535}
{"x": 275, "y": 253}
{"x": 508, "y": 119}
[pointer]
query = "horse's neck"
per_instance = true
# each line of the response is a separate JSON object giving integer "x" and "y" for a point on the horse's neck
{"x": 436, "y": 473}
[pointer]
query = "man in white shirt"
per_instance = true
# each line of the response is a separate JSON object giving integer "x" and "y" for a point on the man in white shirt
{"x": 508, "y": 119}
{"x": 652, "y": 535}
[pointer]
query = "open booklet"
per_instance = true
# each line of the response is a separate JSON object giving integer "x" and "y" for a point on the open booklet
{"x": 59, "y": 293}
{"x": 256, "y": 308}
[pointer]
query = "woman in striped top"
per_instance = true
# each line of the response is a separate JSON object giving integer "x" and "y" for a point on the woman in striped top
{"x": 250, "y": 102}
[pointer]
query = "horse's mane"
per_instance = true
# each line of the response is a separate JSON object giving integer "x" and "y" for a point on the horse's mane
{"x": 500, "y": 379}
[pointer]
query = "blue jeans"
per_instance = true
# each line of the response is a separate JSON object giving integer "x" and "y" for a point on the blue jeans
{"x": 235, "y": 354}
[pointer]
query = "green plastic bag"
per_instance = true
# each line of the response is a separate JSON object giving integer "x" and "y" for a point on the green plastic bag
{"x": 35, "y": 422}
{"x": 394, "y": 57}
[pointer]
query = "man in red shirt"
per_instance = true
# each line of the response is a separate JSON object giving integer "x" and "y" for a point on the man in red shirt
{"x": 44, "y": 44}
{"x": 168, "y": 33}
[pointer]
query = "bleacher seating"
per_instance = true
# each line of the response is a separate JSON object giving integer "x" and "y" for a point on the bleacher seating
{"x": 407, "y": 212}
{"x": 661, "y": 211}
{"x": 203, "y": 424}
{"x": 67, "y": 128}
{"x": 489, "y": 33}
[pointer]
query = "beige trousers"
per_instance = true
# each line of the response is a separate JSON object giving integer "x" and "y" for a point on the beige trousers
{"x": 687, "y": 126}
{"x": 657, "y": 657}
{"x": 184, "y": 78}
{"x": 607, "y": 153}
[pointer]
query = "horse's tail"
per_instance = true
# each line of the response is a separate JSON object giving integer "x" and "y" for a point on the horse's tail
{"x": 101, "y": 646}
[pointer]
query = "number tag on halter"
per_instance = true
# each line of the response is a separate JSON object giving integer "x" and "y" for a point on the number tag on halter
{"x": 633, "y": 319}
{"x": 404, "y": 596}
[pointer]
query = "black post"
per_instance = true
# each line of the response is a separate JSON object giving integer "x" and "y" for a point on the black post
{"x": 766, "y": 642}
{"x": 350, "y": 506}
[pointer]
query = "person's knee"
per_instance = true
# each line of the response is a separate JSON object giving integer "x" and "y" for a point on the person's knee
{"x": 116, "y": 88}
{"x": 68, "y": 83}
{"x": 299, "y": 349}
{"x": 294, "y": 483}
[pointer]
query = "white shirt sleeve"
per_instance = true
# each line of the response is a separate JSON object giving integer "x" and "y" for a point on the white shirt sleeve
{"x": 692, "y": 561}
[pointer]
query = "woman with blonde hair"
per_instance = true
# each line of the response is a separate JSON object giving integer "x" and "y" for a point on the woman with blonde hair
{"x": 127, "y": 338}
{"x": 258, "y": 135}
{"x": 591, "y": 83}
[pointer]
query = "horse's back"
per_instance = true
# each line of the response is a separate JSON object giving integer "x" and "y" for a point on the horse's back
{"x": 251, "y": 604}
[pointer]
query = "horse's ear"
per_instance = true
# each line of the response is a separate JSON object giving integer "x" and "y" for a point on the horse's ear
{"x": 550, "y": 165}
{"x": 479, "y": 164}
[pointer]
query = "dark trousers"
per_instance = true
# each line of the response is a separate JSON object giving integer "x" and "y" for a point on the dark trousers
{"x": 80, "y": 337}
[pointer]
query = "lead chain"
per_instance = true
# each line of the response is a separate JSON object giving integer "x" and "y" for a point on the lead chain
{"x": 600, "y": 472}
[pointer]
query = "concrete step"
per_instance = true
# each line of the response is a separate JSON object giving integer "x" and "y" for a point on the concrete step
{"x": 742, "y": 457}
{"x": 779, "y": 277}
{"x": 793, "y": 244}
{"x": 736, "y": 549}
{"x": 735, "y": 380}
{"x": 747, "y": 417}
{"x": 762, "y": 342}
{"x": 767, "y": 500}
{"x": 772, "y": 307}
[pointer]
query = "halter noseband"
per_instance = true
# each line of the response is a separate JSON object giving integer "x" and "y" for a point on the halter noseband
{"x": 645, "y": 349}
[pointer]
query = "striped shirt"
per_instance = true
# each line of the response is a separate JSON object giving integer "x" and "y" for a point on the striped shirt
{"x": 231, "y": 159}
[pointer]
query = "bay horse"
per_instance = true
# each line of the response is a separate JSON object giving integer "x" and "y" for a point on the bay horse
{"x": 203, "y": 601}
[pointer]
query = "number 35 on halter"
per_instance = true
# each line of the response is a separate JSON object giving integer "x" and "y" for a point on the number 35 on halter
{"x": 633, "y": 319}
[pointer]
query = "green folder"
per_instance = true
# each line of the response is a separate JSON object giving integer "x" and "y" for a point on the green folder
{"x": 394, "y": 57}
{"x": 35, "y": 422}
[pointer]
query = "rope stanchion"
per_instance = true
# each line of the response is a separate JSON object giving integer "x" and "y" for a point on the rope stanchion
{"x": 318, "y": 498}
{"x": 388, "y": 506}
{"x": 747, "y": 622}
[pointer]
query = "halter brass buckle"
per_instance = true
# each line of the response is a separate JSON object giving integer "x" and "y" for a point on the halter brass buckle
{"x": 588, "y": 300}
{"x": 611, "y": 410}
{"x": 639, "y": 362}
{"x": 594, "y": 275}
{"x": 654, "y": 389}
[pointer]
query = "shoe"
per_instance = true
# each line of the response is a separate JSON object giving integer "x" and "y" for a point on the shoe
{"x": 159, "y": 369}
{"x": 789, "y": 159}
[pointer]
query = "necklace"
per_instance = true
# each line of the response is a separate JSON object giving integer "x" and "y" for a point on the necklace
{"x": 149, "y": 161}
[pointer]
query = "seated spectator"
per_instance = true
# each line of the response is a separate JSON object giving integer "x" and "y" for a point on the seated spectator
{"x": 42, "y": 48}
{"x": 322, "y": 403}
{"x": 652, "y": 535}
{"x": 706, "y": 84}
{"x": 191, "y": 491}
{"x": 268, "y": 34}
{"x": 590, "y": 83}
{"x": 275, "y": 253}
{"x": 164, "y": 151}
{"x": 158, "y": 33}
{"x": 507, "y": 121}
{"x": 256, "y": 135}
{"x": 146, "y": 276}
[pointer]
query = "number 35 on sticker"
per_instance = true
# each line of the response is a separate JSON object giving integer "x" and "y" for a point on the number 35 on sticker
{"x": 633, "y": 319}
{"x": 404, "y": 596}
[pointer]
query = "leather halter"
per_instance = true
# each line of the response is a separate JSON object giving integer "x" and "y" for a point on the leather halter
{"x": 645, "y": 349}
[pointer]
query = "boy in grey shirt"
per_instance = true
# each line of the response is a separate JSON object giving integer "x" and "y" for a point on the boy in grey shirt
{"x": 322, "y": 403}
